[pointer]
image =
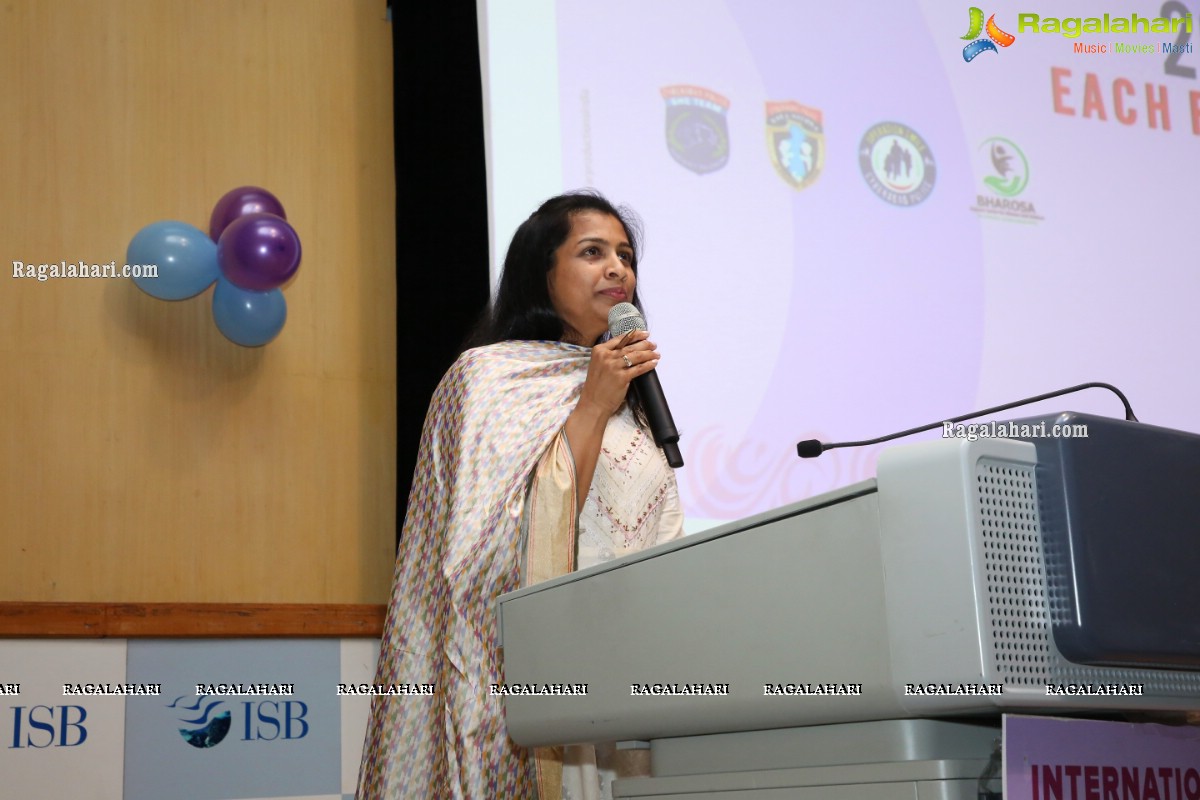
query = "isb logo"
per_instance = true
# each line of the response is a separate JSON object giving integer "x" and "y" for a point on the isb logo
{"x": 209, "y": 721}
{"x": 995, "y": 35}
{"x": 48, "y": 726}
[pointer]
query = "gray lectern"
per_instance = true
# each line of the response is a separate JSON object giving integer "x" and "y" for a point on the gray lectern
{"x": 859, "y": 644}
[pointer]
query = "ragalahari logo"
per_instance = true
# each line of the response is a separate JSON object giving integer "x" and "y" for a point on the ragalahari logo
{"x": 995, "y": 36}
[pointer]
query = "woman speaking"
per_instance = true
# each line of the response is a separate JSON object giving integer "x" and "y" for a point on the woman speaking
{"x": 535, "y": 460}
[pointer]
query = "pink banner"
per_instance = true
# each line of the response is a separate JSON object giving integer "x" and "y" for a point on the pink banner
{"x": 1079, "y": 759}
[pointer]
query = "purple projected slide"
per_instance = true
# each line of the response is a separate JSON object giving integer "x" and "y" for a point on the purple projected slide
{"x": 861, "y": 219}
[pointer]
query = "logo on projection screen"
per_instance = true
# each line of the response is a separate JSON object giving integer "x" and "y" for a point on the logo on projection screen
{"x": 995, "y": 35}
{"x": 697, "y": 133}
{"x": 796, "y": 142}
{"x": 1005, "y": 171}
{"x": 1010, "y": 168}
{"x": 897, "y": 164}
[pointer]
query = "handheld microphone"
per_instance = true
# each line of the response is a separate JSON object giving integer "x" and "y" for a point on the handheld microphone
{"x": 623, "y": 318}
{"x": 811, "y": 448}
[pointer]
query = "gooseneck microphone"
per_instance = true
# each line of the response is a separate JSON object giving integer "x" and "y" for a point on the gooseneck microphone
{"x": 811, "y": 448}
{"x": 623, "y": 318}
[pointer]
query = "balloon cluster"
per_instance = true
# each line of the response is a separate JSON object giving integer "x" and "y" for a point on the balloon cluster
{"x": 250, "y": 251}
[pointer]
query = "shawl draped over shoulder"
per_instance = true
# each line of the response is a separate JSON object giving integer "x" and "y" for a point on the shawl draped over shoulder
{"x": 496, "y": 414}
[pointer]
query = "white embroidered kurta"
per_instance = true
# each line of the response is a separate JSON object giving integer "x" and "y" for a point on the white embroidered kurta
{"x": 633, "y": 503}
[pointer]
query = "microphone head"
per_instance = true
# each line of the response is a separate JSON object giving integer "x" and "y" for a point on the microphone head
{"x": 809, "y": 448}
{"x": 623, "y": 318}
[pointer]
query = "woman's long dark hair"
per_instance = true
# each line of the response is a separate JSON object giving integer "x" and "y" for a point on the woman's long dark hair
{"x": 522, "y": 308}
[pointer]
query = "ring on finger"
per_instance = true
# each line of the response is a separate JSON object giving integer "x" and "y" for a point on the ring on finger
{"x": 628, "y": 363}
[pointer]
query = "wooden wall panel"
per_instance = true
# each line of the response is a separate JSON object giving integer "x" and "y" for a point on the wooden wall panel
{"x": 143, "y": 457}
{"x": 188, "y": 620}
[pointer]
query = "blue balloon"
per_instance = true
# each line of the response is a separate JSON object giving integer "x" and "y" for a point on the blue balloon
{"x": 185, "y": 256}
{"x": 247, "y": 317}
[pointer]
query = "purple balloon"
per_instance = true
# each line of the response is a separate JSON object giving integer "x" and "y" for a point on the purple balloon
{"x": 258, "y": 252}
{"x": 238, "y": 203}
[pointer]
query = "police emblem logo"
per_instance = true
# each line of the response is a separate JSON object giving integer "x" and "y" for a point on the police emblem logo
{"x": 697, "y": 133}
{"x": 796, "y": 141}
{"x": 897, "y": 164}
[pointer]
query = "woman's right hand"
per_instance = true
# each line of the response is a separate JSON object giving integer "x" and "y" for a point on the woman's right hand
{"x": 614, "y": 365}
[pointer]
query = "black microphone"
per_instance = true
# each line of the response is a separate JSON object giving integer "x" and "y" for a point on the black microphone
{"x": 811, "y": 448}
{"x": 623, "y": 318}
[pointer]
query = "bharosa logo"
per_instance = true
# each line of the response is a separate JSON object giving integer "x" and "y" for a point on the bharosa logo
{"x": 995, "y": 35}
{"x": 1004, "y": 171}
{"x": 1010, "y": 167}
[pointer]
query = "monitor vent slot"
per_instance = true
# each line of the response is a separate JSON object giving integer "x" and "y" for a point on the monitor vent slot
{"x": 1014, "y": 571}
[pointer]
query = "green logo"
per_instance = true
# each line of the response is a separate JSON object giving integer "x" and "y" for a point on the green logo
{"x": 1073, "y": 27}
{"x": 1005, "y": 171}
{"x": 1010, "y": 166}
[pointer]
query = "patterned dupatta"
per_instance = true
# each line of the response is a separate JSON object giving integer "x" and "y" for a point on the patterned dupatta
{"x": 493, "y": 423}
